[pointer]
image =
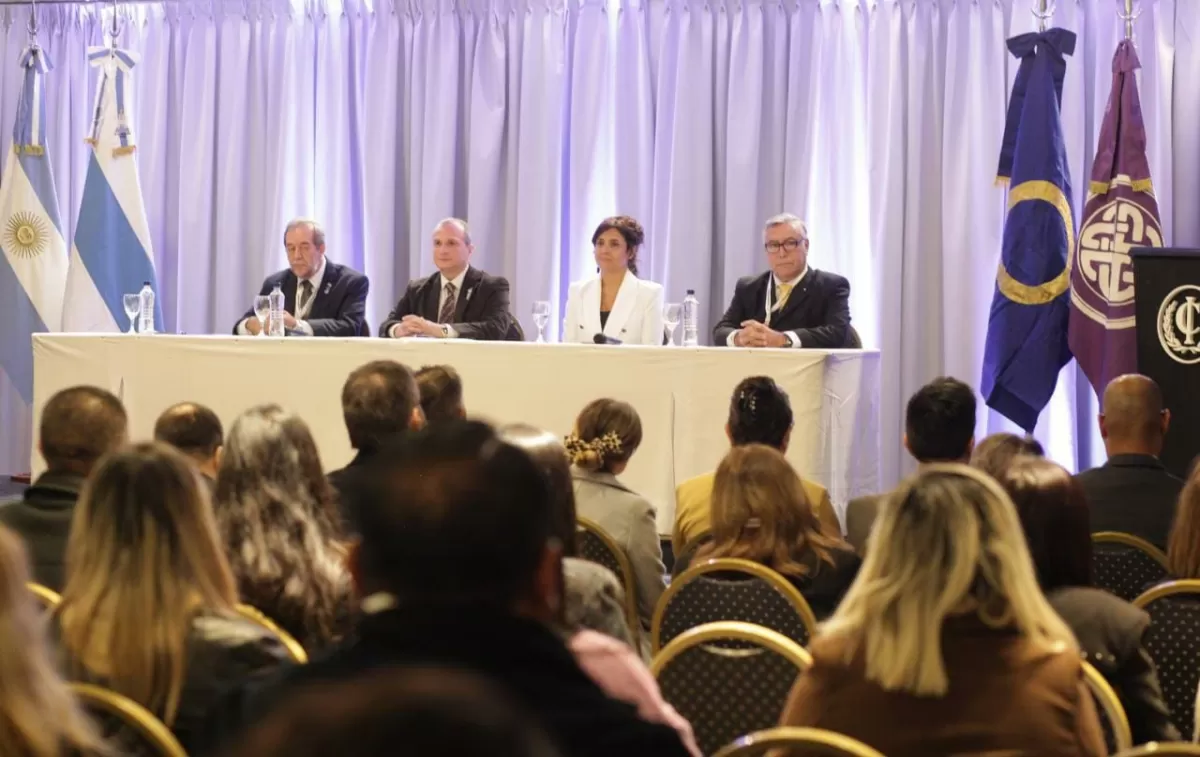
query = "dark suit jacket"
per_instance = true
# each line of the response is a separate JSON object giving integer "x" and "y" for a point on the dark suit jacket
{"x": 42, "y": 518}
{"x": 818, "y": 311}
{"x": 481, "y": 312}
{"x": 860, "y": 516}
{"x": 339, "y": 307}
{"x": 1133, "y": 494}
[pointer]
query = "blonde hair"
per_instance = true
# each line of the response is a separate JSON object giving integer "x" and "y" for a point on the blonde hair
{"x": 607, "y": 433}
{"x": 143, "y": 560}
{"x": 1183, "y": 544}
{"x": 947, "y": 542}
{"x": 38, "y": 714}
{"x": 761, "y": 513}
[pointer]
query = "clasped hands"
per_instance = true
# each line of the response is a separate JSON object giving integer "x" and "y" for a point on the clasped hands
{"x": 755, "y": 334}
{"x": 254, "y": 326}
{"x": 415, "y": 325}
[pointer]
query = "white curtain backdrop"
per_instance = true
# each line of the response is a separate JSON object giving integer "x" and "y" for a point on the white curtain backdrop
{"x": 879, "y": 121}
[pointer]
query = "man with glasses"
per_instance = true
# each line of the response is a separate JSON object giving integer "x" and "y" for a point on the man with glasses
{"x": 791, "y": 305}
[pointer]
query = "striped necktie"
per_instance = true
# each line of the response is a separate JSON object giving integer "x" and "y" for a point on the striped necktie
{"x": 306, "y": 289}
{"x": 447, "y": 314}
{"x": 782, "y": 292}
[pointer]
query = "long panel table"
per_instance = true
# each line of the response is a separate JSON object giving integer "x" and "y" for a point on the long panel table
{"x": 682, "y": 394}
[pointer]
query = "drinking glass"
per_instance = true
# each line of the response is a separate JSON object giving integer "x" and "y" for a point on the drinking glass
{"x": 133, "y": 306}
{"x": 262, "y": 306}
{"x": 671, "y": 320}
{"x": 541, "y": 316}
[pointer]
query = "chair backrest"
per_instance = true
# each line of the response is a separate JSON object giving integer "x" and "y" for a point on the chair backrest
{"x": 728, "y": 679}
{"x": 125, "y": 724}
{"x": 1125, "y": 565}
{"x": 814, "y": 741}
{"x": 597, "y": 545}
{"x": 1161, "y": 748}
{"x": 294, "y": 648}
{"x": 853, "y": 340}
{"x": 46, "y": 597}
{"x": 1117, "y": 735}
{"x": 729, "y": 589}
{"x": 1171, "y": 640}
{"x": 515, "y": 333}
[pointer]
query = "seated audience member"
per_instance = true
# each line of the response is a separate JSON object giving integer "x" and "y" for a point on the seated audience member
{"x": 995, "y": 453}
{"x": 441, "y": 393}
{"x": 416, "y": 711}
{"x": 761, "y": 513}
{"x": 1183, "y": 547}
{"x": 607, "y": 434}
{"x": 456, "y": 302}
{"x": 1054, "y": 513}
{"x": 461, "y": 566}
{"x": 78, "y": 427}
{"x": 1133, "y": 493}
{"x": 195, "y": 431}
{"x": 945, "y": 644}
{"x": 320, "y": 298}
{"x": 379, "y": 401}
{"x": 759, "y": 413}
{"x": 38, "y": 714}
{"x": 148, "y": 609}
{"x": 791, "y": 305}
{"x": 275, "y": 513}
{"x": 939, "y": 427}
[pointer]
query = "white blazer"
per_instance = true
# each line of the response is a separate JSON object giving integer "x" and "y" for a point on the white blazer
{"x": 636, "y": 317}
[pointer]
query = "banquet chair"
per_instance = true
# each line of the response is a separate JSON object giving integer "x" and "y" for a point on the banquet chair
{"x": 728, "y": 679}
{"x": 1173, "y": 641}
{"x": 294, "y": 648}
{"x": 1125, "y": 565}
{"x": 731, "y": 589}
{"x": 128, "y": 726}
{"x": 1117, "y": 734}
{"x": 1161, "y": 748}
{"x": 814, "y": 741}
{"x": 46, "y": 597}
{"x": 597, "y": 546}
{"x": 853, "y": 340}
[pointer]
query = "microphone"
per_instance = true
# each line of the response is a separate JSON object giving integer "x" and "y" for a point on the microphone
{"x": 602, "y": 339}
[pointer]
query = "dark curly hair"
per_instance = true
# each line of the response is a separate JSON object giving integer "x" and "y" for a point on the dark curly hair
{"x": 630, "y": 230}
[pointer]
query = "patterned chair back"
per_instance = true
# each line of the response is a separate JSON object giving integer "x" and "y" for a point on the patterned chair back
{"x": 46, "y": 597}
{"x": 128, "y": 727}
{"x": 728, "y": 679}
{"x": 1113, "y": 720}
{"x": 813, "y": 741}
{"x": 1173, "y": 641}
{"x": 596, "y": 545}
{"x": 730, "y": 589}
{"x": 1125, "y": 565}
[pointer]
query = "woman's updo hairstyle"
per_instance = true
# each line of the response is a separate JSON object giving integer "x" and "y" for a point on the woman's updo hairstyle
{"x": 607, "y": 433}
{"x": 630, "y": 230}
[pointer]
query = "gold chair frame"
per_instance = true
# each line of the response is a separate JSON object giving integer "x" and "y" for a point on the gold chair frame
{"x": 627, "y": 579}
{"x": 737, "y": 565}
{"x": 1129, "y": 540}
{"x": 780, "y": 738}
{"x": 1111, "y": 704}
{"x": 1167, "y": 589}
{"x": 131, "y": 714}
{"x": 294, "y": 648}
{"x": 734, "y": 630}
{"x": 49, "y": 598}
{"x": 1161, "y": 747}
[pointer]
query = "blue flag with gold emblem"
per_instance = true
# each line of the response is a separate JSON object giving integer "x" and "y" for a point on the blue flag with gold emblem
{"x": 1027, "y": 328}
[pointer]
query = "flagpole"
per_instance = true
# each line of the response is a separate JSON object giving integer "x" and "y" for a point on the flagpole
{"x": 1043, "y": 11}
{"x": 1129, "y": 16}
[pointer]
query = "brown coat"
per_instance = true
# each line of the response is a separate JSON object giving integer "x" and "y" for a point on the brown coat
{"x": 1006, "y": 697}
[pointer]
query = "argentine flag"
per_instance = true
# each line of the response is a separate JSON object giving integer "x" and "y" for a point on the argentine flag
{"x": 111, "y": 255}
{"x": 33, "y": 268}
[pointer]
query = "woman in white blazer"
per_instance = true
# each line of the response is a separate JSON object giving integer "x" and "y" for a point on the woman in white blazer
{"x": 616, "y": 303}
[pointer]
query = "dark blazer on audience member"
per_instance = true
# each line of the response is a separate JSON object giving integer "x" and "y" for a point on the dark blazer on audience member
{"x": 860, "y": 516}
{"x": 481, "y": 311}
{"x": 818, "y": 311}
{"x": 1133, "y": 494}
{"x": 346, "y": 482}
{"x": 1109, "y": 631}
{"x": 339, "y": 307}
{"x": 524, "y": 657}
{"x": 42, "y": 518}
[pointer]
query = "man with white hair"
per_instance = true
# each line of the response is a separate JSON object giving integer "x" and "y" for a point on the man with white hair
{"x": 320, "y": 298}
{"x": 456, "y": 302}
{"x": 791, "y": 305}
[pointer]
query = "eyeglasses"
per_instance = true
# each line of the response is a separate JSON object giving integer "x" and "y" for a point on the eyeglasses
{"x": 790, "y": 245}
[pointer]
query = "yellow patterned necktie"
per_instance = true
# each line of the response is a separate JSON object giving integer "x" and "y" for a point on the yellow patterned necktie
{"x": 783, "y": 291}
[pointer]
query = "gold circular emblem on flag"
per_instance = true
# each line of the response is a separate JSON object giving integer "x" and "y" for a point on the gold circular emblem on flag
{"x": 1042, "y": 292}
{"x": 25, "y": 234}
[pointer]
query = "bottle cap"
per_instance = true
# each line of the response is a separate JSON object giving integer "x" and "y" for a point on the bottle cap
{"x": 691, "y": 291}
{"x": 145, "y": 283}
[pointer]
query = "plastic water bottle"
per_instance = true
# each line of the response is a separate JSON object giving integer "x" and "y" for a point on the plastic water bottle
{"x": 146, "y": 309}
{"x": 691, "y": 319}
{"x": 275, "y": 310}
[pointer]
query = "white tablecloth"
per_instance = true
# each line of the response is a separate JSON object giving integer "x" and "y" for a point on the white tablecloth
{"x": 681, "y": 394}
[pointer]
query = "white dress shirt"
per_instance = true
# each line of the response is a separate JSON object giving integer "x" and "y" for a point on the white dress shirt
{"x": 300, "y": 315}
{"x": 774, "y": 304}
{"x": 457, "y": 281}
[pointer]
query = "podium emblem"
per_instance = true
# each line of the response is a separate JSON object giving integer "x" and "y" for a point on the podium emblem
{"x": 1179, "y": 324}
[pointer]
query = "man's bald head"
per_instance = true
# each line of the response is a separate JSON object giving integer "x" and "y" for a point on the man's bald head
{"x": 1133, "y": 419}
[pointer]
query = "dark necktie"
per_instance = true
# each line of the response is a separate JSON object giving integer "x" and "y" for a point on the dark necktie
{"x": 306, "y": 289}
{"x": 447, "y": 314}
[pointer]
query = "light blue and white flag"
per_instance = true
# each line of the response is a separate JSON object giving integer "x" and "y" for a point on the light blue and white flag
{"x": 33, "y": 268}
{"x": 111, "y": 255}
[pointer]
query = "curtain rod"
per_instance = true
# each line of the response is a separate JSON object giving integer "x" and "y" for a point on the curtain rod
{"x": 41, "y": 3}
